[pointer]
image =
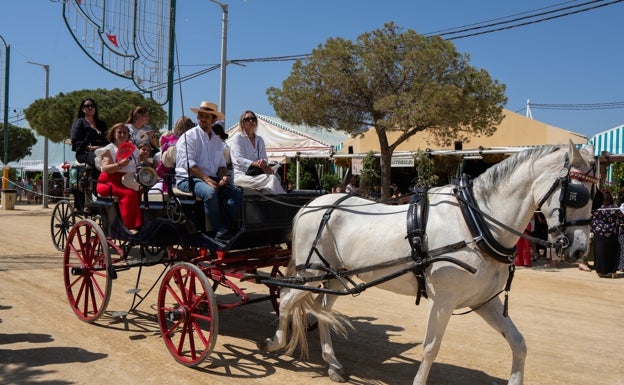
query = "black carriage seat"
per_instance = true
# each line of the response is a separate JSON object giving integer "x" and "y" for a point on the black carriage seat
{"x": 267, "y": 218}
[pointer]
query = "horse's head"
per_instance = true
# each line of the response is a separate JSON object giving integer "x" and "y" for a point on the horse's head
{"x": 567, "y": 205}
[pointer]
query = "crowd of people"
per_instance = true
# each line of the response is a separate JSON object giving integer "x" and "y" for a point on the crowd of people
{"x": 193, "y": 157}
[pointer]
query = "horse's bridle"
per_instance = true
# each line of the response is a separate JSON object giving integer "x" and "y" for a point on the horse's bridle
{"x": 572, "y": 195}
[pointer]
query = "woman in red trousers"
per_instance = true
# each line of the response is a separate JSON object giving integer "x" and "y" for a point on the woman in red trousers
{"x": 120, "y": 157}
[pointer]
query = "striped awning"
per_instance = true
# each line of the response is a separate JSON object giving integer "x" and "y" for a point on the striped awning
{"x": 610, "y": 141}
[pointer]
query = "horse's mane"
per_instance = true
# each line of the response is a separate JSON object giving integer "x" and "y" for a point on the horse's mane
{"x": 494, "y": 175}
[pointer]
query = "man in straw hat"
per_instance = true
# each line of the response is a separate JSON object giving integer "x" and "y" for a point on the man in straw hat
{"x": 200, "y": 154}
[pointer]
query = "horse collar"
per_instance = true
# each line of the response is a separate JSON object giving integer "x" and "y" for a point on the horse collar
{"x": 479, "y": 229}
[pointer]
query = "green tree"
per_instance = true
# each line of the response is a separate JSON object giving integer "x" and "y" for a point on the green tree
{"x": 425, "y": 169}
{"x": 53, "y": 117}
{"x": 330, "y": 181}
{"x": 21, "y": 141}
{"x": 307, "y": 177}
{"x": 393, "y": 81}
{"x": 370, "y": 173}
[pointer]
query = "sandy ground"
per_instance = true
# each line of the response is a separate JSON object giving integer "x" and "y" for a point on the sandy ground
{"x": 572, "y": 320}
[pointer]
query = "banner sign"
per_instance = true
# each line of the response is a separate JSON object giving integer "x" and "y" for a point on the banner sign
{"x": 402, "y": 162}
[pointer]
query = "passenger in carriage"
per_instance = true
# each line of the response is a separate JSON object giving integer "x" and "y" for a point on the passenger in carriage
{"x": 140, "y": 131}
{"x": 249, "y": 158}
{"x": 88, "y": 133}
{"x": 116, "y": 160}
{"x": 199, "y": 155}
{"x": 218, "y": 129}
{"x": 166, "y": 157}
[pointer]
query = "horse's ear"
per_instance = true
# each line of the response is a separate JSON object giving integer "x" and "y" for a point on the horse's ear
{"x": 588, "y": 151}
{"x": 576, "y": 158}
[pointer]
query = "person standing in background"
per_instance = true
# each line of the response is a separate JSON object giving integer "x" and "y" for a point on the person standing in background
{"x": 605, "y": 223}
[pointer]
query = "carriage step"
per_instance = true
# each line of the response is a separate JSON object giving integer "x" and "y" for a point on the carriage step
{"x": 133, "y": 291}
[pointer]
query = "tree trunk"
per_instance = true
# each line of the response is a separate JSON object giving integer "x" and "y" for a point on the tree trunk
{"x": 386, "y": 171}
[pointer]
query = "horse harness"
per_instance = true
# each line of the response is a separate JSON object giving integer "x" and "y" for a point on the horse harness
{"x": 571, "y": 195}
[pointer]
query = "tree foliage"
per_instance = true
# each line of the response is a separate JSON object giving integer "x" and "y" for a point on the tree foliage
{"x": 392, "y": 80}
{"x": 425, "y": 169}
{"x": 53, "y": 117}
{"x": 307, "y": 179}
{"x": 21, "y": 141}
{"x": 370, "y": 173}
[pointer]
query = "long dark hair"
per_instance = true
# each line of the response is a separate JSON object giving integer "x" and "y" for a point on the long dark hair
{"x": 81, "y": 113}
{"x": 607, "y": 198}
{"x": 99, "y": 123}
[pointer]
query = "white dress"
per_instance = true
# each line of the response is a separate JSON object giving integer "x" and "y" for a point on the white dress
{"x": 243, "y": 154}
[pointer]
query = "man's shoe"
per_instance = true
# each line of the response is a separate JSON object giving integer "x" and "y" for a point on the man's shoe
{"x": 224, "y": 235}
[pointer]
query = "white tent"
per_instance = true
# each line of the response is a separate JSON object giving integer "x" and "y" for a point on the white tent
{"x": 284, "y": 141}
{"x": 58, "y": 153}
{"x": 37, "y": 165}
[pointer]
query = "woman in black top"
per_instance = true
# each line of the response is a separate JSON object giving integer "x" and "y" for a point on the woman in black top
{"x": 88, "y": 132}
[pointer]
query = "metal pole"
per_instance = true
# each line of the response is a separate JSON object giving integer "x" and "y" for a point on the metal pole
{"x": 224, "y": 20}
{"x": 5, "y": 171}
{"x": 45, "y": 142}
{"x": 170, "y": 69}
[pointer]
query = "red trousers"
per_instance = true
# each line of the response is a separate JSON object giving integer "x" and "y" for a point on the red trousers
{"x": 128, "y": 198}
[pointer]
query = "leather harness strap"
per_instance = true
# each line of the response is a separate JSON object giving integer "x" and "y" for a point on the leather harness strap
{"x": 478, "y": 227}
{"x": 417, "y": 214}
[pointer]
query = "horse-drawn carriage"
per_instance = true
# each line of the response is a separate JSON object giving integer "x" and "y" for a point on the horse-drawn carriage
{"x": 97, "y": 246}
{"x": 453, "y": 245}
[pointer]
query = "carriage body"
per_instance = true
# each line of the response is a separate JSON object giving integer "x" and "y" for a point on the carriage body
{"x": 264, "y": 220}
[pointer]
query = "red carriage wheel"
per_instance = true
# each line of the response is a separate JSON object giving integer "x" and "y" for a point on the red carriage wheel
{"x": 61, "y": 222}
{"x": 187, "y": 314}
{"x": 87, "y": 270}
{"x": 274, "y": 291}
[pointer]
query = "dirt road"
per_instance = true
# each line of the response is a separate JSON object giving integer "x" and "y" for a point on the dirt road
{"x": 572, "y": 320}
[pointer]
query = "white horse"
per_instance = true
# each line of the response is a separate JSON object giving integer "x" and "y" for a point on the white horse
{"x": 369, "y": 240}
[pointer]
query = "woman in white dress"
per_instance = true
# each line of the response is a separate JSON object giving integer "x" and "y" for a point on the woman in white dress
{"x": 249, "y": 158}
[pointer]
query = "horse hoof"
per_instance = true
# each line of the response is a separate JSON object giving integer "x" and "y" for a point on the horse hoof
{"x": 337, "y": 375}
{"x": 263, "y": 345}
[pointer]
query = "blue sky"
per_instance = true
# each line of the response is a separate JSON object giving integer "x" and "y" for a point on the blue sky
{"x": 575, "y": 59}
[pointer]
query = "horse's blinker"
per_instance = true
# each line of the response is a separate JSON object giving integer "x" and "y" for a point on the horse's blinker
{"x": 572, "y": 195}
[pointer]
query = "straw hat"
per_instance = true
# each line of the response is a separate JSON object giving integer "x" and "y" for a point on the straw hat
{"x": 168, "y": 157}
{"x": 210, "y": 108}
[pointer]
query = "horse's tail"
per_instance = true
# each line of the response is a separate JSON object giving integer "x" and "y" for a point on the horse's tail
{"x": 300, "y": 313}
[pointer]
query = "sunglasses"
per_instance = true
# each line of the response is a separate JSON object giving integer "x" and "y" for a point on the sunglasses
{"x": 88, "y": 106}
{"x": 250, "y": 119}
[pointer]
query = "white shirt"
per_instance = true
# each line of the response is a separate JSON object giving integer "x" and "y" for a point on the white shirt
{"x": 196, "y": 148}
{"x": 112, "y": 150}
{"x": 243, "y": 153}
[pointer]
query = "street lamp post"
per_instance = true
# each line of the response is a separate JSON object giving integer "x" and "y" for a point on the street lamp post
{"x": 45, "y": 142}
{"x": 5, "y": 160}
{"x": 224, "y": 8}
